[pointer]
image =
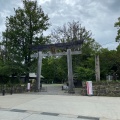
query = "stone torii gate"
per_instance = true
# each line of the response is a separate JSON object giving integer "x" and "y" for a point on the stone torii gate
{"x": 69, "y": 54}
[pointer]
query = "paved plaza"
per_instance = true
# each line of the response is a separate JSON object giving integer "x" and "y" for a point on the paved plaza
{"x": 46, "y": 106}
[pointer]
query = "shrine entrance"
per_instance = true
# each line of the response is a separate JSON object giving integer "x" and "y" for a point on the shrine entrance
{"x": 76, "y": 46}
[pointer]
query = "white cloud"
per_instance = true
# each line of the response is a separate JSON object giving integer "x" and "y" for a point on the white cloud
{"x": 43, "y": 1}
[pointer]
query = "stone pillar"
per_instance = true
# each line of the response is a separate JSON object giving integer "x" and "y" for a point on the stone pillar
{"x": 39, "y": 70}
{"x": 70, "y": 72}
{"x": 97, "y": 68}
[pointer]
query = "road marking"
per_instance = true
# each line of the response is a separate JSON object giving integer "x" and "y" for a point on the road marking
{"x": 51, "y": 114}
{"x": 88, "y": 118}
{"x": 48, "y": 113}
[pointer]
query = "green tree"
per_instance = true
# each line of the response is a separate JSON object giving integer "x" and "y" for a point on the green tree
{"x": 48, "y": 69}
{"x": 24, "y": 29}
{"x": 54, "y": 69}
{"x": 118, "y": 62}
{"x": 108, "y": 62}
{"x": 84, "y": 73}
{"x": 74, "y": 31}
{"x": 117, "y": 24}
{"x": 71, "y": 31}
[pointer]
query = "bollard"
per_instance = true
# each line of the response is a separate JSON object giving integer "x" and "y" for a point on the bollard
{"x": 3, "y": 92}
{"x": 11, "y": 91}
{"x": 62, "y": 87}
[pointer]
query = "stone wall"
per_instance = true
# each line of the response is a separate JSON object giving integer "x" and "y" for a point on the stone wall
{"x": 15, "y": 88}
{"x": 104, "y": 88}
{"x": 19, "y": 88}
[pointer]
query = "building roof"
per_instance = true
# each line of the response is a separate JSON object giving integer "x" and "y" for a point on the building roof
{"x": 34, "y": 75}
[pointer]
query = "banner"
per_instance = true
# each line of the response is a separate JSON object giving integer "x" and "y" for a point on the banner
{"x": 28, "y": 86}
{"x": 89, "y": 88}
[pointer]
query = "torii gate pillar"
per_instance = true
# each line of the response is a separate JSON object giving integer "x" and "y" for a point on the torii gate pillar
{"x": 70, "y": 72}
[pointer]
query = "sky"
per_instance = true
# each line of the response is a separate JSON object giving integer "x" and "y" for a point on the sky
{"x": 98, "y": 16}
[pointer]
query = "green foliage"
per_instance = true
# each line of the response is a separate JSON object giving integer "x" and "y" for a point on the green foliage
{"x": 108, "y": 62}
{"x": 24, "y": 29}
{"x": 54, "y": 69}
{"x": 117, "y": 24}
{"x": 118, "y": 61}
{"x": 84, "y": 73}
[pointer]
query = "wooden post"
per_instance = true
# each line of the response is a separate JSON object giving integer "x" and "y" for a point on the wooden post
{"x": 70, "y": 72}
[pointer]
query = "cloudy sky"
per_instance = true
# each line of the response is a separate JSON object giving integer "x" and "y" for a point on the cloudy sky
{"x": 98, "y": 16}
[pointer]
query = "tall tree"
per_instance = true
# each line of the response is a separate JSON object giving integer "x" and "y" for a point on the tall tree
{"x": 71, "y": 32}
{"x": 108, "y": 62}
{"x": 118, "y": 62}
{"x": 117, "y": 24}
{"x": 24, "y": 29}
{"x": 74, "y": 31}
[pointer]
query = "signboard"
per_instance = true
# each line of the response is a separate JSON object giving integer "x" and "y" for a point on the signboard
{"x": 89, "y": 88}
